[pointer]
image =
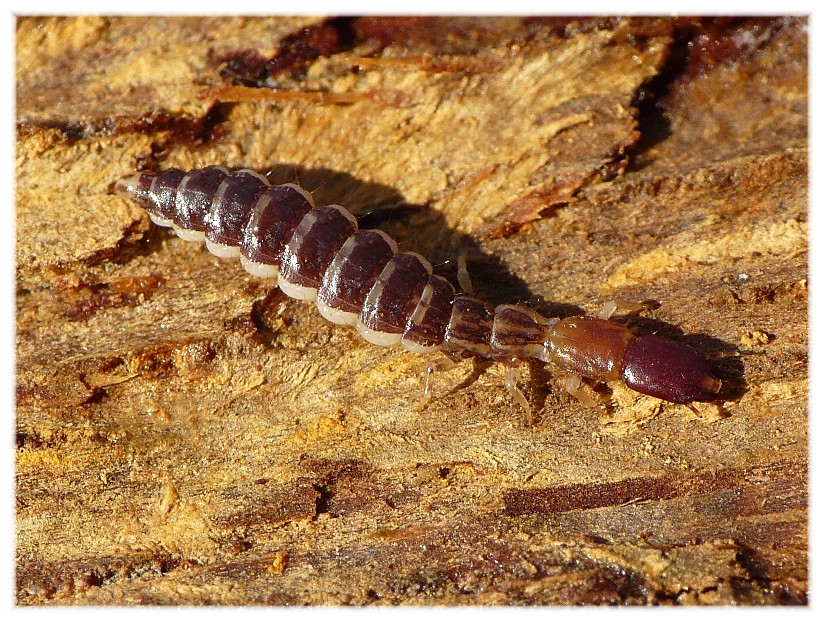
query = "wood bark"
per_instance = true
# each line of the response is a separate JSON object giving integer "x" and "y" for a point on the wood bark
{"x": 188, "y": 435}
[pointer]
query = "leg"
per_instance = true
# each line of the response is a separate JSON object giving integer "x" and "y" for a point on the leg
{"x": 512, "y": 375}
{"x": 443, "y": 364}
{"x": 625, "y": 307}
{"x": 463, "y": 274}
{"x": 574, "y": 386}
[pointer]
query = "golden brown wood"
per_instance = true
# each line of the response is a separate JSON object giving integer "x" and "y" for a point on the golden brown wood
{"x": 185, "y": 436}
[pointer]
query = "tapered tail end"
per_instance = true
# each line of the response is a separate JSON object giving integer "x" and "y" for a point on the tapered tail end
{"x": 132, "y": 187}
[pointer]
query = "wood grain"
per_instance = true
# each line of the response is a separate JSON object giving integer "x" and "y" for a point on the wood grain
{"x": 187, "y": 435}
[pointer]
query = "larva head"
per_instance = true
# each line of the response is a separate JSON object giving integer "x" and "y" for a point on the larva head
{"x": 668, "y": 370}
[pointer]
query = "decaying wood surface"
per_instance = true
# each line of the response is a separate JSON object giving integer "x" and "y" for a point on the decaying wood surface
{"x": 187, "y": 435}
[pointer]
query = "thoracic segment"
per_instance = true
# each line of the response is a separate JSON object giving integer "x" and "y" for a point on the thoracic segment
{"x": 358, "y": 278}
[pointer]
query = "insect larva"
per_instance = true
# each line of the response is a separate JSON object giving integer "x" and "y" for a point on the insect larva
{"x": 358, "y": 277}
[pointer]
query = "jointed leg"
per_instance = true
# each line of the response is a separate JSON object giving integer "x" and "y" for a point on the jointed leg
{"x": 463, "y": 274}
{"x": 511, "y": 377}
{"x": 442, "y": 364}
{"x": 439, "y": 365}
{"x": 574, "y": 386}
{"x": 612, "y": 306}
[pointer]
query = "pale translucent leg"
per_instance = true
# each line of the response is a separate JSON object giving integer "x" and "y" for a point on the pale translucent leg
{"x": 463, "y": 274}
{"x": 612, "y": 306}
{"x": 511, "y": 377}
{"x": 574, "y": 386}
{"x": 442, "y": 364}
{"x": 438, "y": 366}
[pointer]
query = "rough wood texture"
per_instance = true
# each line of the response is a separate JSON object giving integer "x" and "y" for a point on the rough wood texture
{"x": 186, "y": 436}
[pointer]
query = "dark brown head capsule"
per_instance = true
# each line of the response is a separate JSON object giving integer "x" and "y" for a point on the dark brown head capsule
{"x": 669, "y": 370}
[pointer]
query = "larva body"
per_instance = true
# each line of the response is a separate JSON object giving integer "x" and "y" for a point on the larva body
{"x": 357, "y": 277}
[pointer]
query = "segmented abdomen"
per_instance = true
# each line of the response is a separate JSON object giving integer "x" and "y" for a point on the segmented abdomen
{"x": 357, "y": 277}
